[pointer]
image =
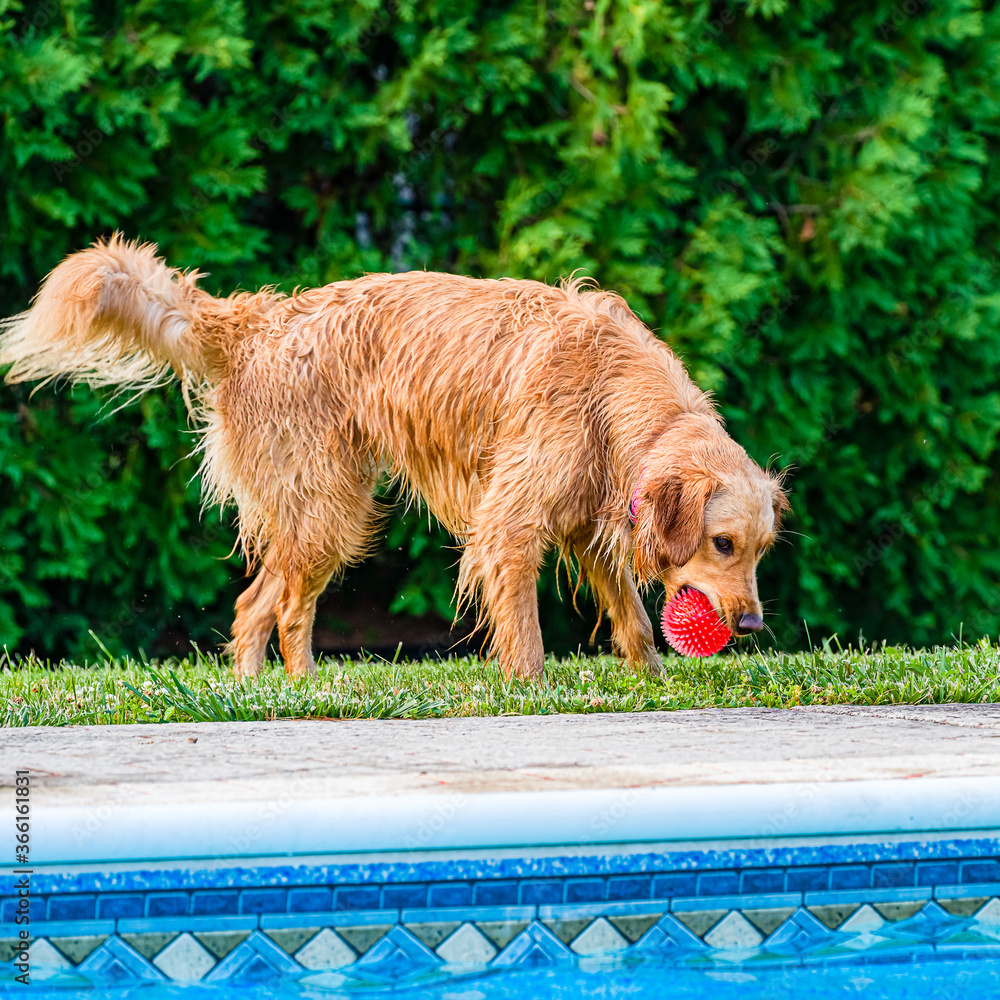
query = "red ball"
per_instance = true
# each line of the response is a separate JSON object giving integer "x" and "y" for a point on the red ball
{"x": 691, "y": 625}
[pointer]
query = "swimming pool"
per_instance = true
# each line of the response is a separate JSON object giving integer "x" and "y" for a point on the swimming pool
{"x": 520, "y": 887}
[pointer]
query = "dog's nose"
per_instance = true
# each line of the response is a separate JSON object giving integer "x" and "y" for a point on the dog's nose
{"x": 750, "y": 623}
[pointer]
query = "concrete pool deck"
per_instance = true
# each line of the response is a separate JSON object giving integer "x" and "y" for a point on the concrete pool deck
{"x": 315, "y": 787}
{"x": 186, "y": 762}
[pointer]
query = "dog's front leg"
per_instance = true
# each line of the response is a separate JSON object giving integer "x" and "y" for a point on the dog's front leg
{"x": 503, "y": 569}
{"x": 616, "y": 592}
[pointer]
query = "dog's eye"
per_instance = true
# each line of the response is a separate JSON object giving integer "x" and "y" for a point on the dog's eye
{"x": 724, "y": 544}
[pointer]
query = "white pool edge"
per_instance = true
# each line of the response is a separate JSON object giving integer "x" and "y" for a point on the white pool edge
{"x": 442, "y": 821}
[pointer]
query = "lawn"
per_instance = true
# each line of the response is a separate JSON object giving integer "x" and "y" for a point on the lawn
{"x": 200, "y": 688}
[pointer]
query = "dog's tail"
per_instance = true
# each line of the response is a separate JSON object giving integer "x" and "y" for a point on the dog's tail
{"x": 113, "y": 314}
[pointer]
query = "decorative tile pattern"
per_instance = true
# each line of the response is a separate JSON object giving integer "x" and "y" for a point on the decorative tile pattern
{"x": 149, "y": 945}
{"x": 432, "y": 933}
{"x": 989, "y": 913}
{"x": 501, "y": 932}
{"x": 184, "y": 959}
{"x": 467, "y": 946}
{"x": 292, "y": 939}
{"x": 398, "y": 952}
{"x": 118, "y": 963}
{"x": 734, "y": 931}
{"x": 257, "y": 961}
{"x": 221, "y": 943}
{"x": 558, "y": 933}
{"x": 378, "y": 920}
{"x": 76, "y": 949}
{"x": 768, "y": 919}
{"x": 634, "y": 926}
{"x": 800, "y": 931}
{"x": 699, "y": 922}
{"x": 361, "y": 938}
{"x": 42, "y": 953}
{"x": 534, "y": 946}
{"x": 327, "y": 950}
{"x": 864, "y": 920}
{"x": 598, "y": 937}
{"x": 670, "y": 935}
{"x": 898, "y": 911}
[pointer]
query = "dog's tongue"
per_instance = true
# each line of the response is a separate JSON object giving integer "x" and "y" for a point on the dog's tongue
{"x": 691, "y": 625}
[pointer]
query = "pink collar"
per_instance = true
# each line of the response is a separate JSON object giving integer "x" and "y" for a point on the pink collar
{"x": 633, "y": 504}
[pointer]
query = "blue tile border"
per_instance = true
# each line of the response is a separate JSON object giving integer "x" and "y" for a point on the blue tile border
{"x": 156, "y": 925}
{"x": 967, "y": 891}
{"x": 469, "y": 913}
{"x": 333, "y": 918}
{"x": 585, "y": 911}
{"x": 60, "y": 928}
{"x": 868, "y": 896}
{"x": 748, "y": 902}
{"x": 187, "y": 906}
{"x": 487, "y": 866}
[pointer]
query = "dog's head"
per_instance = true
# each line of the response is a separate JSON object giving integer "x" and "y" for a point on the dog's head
{"x": 706, "y": 514}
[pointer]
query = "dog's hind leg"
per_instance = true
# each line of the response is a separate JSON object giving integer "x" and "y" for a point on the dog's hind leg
{"x": 296, "y": 612}
{"x": 329, "y": 536}
{"x": 256, "y": 614}
{"x": 616, "y": 592}
{"x": 324, "y": 527}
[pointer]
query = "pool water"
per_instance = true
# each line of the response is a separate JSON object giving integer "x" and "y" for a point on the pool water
{"x": 921, "y": 971}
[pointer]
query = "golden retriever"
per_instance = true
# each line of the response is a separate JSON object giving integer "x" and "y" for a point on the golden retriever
{"x": 525, "y": 416}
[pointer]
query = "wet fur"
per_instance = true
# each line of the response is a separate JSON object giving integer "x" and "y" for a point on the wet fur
{"x": 522, "y": 414}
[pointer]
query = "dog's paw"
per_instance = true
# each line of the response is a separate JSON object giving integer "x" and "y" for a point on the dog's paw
{"x": 651, "y": 664}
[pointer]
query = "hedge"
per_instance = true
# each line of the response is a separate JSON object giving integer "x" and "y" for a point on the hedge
{"x": 804, "y": 200}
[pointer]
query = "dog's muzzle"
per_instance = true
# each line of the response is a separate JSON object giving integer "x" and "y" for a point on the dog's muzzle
{"x": 750, "y": 623}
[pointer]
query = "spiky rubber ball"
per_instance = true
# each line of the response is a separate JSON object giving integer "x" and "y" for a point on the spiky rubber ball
{"x": 691, "y": 625}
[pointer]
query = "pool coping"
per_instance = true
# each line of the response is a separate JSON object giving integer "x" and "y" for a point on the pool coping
{"x": 508, "y": 820}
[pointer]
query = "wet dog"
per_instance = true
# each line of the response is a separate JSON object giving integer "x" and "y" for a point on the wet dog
{"x": 527, "y": 417}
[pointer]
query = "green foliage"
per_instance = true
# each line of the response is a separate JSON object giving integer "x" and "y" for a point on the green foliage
{"x": 802, "y": 200}
{"x": 199, "y": 689}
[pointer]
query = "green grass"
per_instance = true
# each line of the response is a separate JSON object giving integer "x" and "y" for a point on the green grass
{"x": 200, "y": 688}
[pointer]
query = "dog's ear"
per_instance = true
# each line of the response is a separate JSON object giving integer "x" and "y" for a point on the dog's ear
{"x": 673, "y": 510}
{"x": 678, "y": 510}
